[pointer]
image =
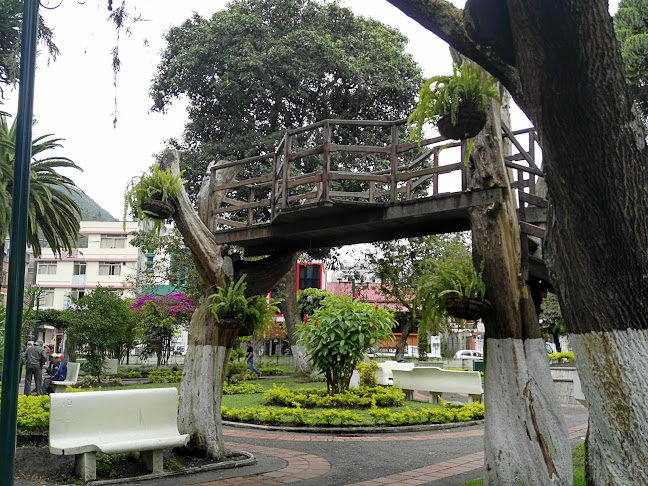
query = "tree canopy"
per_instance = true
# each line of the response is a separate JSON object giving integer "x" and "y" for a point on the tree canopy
{"x": 262, "y": 66}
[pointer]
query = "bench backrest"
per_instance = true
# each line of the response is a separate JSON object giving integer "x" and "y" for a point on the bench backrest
{"x": 110, "y": 366}
{"x": 437, "y": 380}
{"x": 113, "y": 412}
{"x": 578, "y": 390}
{"x": 384, "y": 374}
{"x": 72, "y": 372}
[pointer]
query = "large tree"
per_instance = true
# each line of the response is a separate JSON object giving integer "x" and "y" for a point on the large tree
{"x": 563, "y": 66}
{"x": 260, "y": 67}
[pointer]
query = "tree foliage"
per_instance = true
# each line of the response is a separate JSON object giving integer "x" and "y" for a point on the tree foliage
{"x": 631, "y": 25}
{"x": 100, "y": 322}
{"x": 337, "y": 334}
{"x": 10, "y": 28}
{"x": 52, "y": 213}
{"x": 262, "y": 66}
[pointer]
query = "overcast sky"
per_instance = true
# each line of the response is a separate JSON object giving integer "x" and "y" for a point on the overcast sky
{"x": 74, "y": 96}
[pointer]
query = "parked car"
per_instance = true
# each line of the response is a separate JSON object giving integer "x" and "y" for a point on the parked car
{"x": 468, "y": 354}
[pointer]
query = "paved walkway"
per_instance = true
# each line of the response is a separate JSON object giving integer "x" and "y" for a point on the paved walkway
{"x": 437, "y": 458}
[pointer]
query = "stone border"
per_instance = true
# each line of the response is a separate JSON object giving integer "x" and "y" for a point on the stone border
{"x": 251, "y": 460}
{"x": 355, "y": 430}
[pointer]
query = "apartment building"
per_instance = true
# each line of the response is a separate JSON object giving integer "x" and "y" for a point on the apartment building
{"x": 103, "y": 257}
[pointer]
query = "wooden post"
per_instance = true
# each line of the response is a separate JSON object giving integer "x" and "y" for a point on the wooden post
{"x": 394, "y": 163}
{"x": 274, "y": 187}
{"x": 326, "y": 145}
{"x": 250, "y": 211}
{"x": 435, "y": 177}
{"x": 286, "y": 172}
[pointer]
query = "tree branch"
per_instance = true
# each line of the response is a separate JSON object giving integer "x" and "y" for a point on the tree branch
{"x": 445, "y": 20}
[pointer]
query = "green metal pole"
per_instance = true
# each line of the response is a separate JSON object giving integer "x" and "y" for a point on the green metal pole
{"x": 18, "y": 232}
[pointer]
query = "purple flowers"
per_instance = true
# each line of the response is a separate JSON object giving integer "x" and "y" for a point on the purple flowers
{"x": 176, "y": 305}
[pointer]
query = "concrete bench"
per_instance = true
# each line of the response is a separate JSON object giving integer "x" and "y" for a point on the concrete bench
{"x": 578, "y": 391}
{"x": 114, "y": 422}
{"x": 384, "y": 375}
{"x": 70, "y": 379}
{"x": 437, "y": 381}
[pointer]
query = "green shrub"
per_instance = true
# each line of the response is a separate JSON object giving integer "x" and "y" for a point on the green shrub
{"x": 33, "y": 412}
{"x": 129, "y": 374}
{"x": 560, "y": 357}
{"x": 163, "y": 376}
{"x": 242, "y": 389}
{"x": 318, "y": 397}
{"x": 368, "y": 373}
{"x": 271, "y": 370}
{"x": 235, "y": 368}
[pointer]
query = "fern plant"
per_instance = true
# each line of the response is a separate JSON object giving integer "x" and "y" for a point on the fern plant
{"x": 231, "y": 303}
{"x": 444, "y": 95}
{"x": 157, "y": 184}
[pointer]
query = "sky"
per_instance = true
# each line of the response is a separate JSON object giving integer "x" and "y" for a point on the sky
{"x": 75, "y": 96}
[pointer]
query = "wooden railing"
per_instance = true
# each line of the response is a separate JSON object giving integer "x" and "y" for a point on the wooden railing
{"x": 311, "y": 165}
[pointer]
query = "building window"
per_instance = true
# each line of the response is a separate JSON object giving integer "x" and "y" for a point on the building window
{"x": 77, "y": 293}
{"x": 309, "y": 276}
{"x": 79, "y": 268}
{"x": 46, "y": 268}
{"x": 110, "y": 268}
{"x": 113, "y": 241}
{"x": 47, "y": 297}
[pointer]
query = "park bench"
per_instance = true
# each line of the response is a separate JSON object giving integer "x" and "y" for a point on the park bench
{"x": 70, "y": 379}
{"x": 113, "y": 422}
{"x": 578, "y": 391}
{"x": 384, "y": 375}
{"x": 437, "y": 381}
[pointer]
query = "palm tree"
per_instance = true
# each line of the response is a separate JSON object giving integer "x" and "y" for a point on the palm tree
{"x": 52, "y": 213}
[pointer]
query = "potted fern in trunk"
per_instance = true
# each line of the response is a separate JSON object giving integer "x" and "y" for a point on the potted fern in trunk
{"x": 458, "y": 288}
{"x": 455, "y": 104}
{"x": 152, "y": 195}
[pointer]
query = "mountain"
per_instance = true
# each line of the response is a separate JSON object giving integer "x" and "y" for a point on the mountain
{"x": 90, "y": 210}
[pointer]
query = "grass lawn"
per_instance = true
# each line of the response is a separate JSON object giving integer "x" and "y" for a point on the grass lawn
{"x": 578, "y": 457}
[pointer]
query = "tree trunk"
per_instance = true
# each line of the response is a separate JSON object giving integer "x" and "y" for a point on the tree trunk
{"x": 211, "y": 342}
{"x": 402, "y": 342}
{"x": 568, "y": 77}
{"x": 288, "y": 307}
{"x": 556, "y": 338}
{"x": 524, "y": 423}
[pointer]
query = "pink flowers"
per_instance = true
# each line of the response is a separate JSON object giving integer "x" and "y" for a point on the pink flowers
{"x": 176, "y": 305}
{"x": 306, "y": 318}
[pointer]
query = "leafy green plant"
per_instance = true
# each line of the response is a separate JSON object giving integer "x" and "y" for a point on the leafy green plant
{"x": 318, "y": 397}
{"x": 562, "y": 356}
{"x": 451, "y": 277}
{"x": 163, "y": 376}
{"x": 242, "y": 389}
{"x": 338, "y": 334}
{"x": 368, "y": 373}
{"x": 445, "y": 95}
{"x": 230, "y": 304}
{"x": 157, "y": 184}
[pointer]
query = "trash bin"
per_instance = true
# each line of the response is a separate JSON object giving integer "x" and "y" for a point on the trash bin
{"x": 478, "y": 365}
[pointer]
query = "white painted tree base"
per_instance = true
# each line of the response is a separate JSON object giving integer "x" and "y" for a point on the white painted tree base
{"x": 613, "y": 369}
{"x": 526, "y": 440}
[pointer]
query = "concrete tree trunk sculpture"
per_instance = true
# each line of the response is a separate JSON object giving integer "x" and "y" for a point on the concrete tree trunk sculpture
{"x": 562, "y": 64}
{"x": 524, "y": 423}
{"x": 211, "y": 342}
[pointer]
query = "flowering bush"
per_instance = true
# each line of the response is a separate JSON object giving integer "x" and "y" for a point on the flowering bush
{"x": 159, "y": 316}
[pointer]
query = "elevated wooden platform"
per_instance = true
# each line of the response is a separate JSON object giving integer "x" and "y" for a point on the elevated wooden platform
{"x": 314, "y": 193}
{"x": 331, "y": 223}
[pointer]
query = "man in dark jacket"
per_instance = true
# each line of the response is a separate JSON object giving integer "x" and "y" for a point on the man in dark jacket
{"x": 35, "y": 360}
{"x": 59, "y": 373}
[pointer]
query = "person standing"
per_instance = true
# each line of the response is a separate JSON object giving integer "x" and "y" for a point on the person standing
{"x": 250, "y": 358}
{"x": 35, "y": 361}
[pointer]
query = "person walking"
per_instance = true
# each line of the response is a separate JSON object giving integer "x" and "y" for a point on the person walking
{"x": 250, "y": 358}
{"x": 35, "y": 361}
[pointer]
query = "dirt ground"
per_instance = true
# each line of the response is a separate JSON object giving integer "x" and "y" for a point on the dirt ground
{"x": 35, "y": 466}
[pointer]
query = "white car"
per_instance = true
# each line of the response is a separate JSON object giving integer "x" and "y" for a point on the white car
{"x": 468, "y": 354}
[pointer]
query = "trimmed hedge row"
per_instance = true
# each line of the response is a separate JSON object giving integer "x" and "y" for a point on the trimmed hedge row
{"x": 319, "y": 397}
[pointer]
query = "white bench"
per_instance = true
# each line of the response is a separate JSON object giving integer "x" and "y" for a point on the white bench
{"x": 437, "y": 381}
{"x": 70, "y": 379}
{"x": 578, "y": 391}
{"x": 384, "y": 375}
{"x": 112, "y": 422}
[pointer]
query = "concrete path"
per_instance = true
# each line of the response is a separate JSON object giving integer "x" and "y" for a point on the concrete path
{"x": 439, "y": 458}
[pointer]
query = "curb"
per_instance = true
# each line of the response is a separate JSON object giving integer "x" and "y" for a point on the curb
{"x": 251, "y": 460}
{"x": 355, "y": 430}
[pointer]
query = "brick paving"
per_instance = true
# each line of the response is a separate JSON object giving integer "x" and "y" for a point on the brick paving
{"x": 302, "y": 466}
